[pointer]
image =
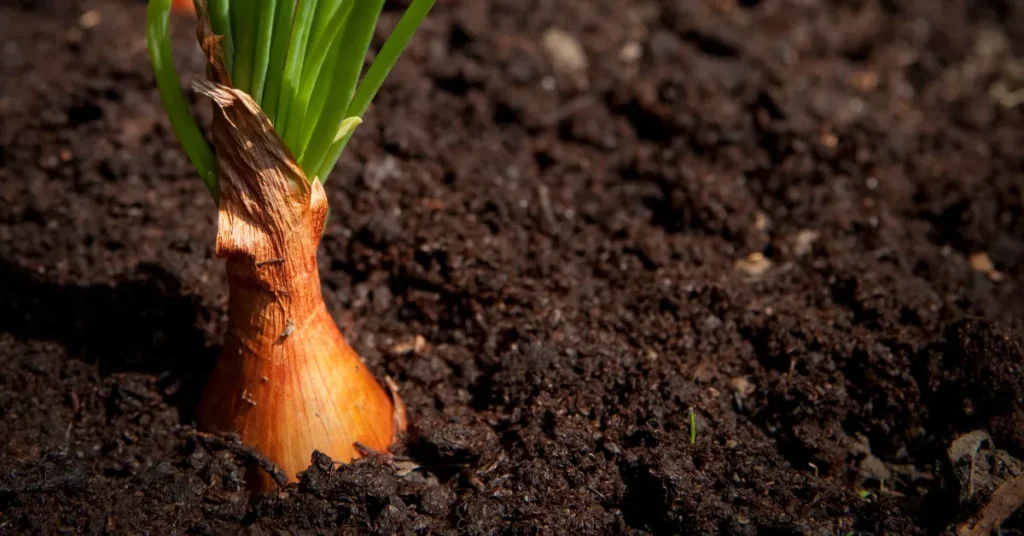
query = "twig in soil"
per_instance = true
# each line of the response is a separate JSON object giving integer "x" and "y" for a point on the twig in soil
{"x": 234, "y": 445}
{"x": 1004, "y": 502}
{"x": 1007, "y": 498}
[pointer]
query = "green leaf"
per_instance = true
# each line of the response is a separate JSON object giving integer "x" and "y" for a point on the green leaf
{"x": 301, "y": 25}
{"x": 356, "y": 36}
{"x": 297, "y": 131}
{"x": 322, "y": 91}
{"x": 322, "y": 20}
{"x": 388, "y": 56}
{"x": 244, "y": 19}
{"x": 220, "y": 22}
{"x": 158, "y": 39}
{"x": 278, "y": 51}
{"x": 264, "y": 41}
{"x": 376, "y": 74}
{"x": 300, "y": 60}
{"x": 347, "y": 126}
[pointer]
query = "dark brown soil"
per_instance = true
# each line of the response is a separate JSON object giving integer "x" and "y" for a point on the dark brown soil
{"x": 567, "y": 244}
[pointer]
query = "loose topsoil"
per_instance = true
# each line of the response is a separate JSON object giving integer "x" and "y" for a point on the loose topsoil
{"x": 798, "y": 221}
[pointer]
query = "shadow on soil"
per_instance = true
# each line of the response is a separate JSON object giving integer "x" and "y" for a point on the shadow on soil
{"x": 142, "y": 323}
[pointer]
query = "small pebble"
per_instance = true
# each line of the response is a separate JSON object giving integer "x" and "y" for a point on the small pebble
{"x": 566, "y": 54}
{"x": 754, "y": 264}
{"x": 631, "y": 52}
{"x": 865, "y": 81}
{"x": 90, "y": 19}
{"x": 981, "y": 262}
{"x": 804, "y": 242}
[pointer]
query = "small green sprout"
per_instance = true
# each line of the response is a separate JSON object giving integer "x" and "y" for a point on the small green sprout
{"x": 693, "y": 427}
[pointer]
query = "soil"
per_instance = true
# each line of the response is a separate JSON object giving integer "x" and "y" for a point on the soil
{"x": 768, "y": 218}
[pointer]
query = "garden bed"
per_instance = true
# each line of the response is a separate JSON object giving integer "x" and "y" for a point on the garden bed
{"x": 798, "y": 221}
